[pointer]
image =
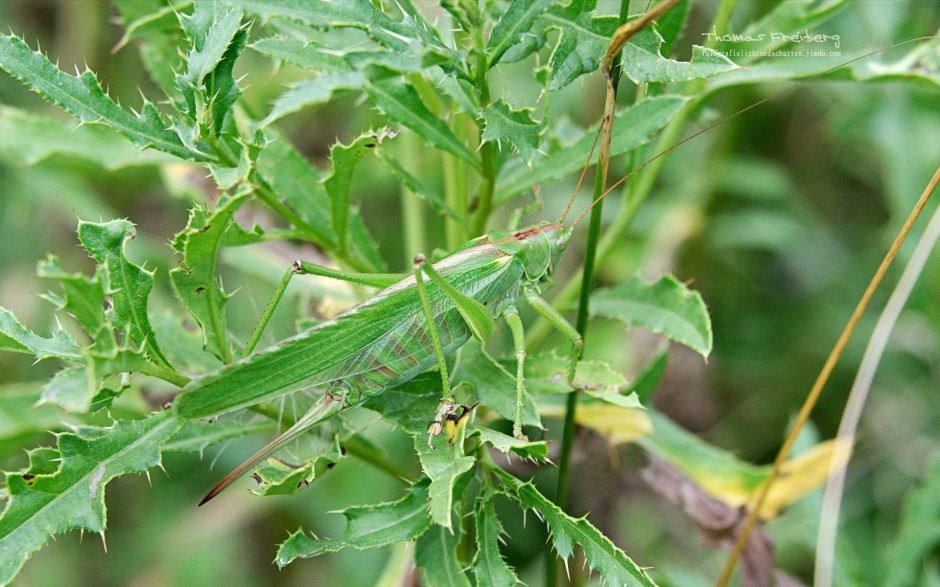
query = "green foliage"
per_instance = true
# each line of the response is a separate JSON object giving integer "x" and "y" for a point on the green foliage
{"x": 666, "y": 307}
{"x": 370, "y": 526}
{"x": 494, "y": 127}
{"x": 601, "y": 554}
{"x": 67, "y": 492}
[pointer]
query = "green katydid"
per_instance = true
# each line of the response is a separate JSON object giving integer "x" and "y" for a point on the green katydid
{"x": 394, "y": 335}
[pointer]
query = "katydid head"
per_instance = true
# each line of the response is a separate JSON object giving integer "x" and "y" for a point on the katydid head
{"x": 539, "y": 247}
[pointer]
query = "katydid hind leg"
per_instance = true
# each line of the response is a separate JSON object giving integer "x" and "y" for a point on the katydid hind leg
{"x": 328, "y": 406}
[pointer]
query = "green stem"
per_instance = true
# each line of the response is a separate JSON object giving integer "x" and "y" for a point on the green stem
{"x": 412, "y": 210}
{"x": 487, "y": 153}
{"x": 587, "y": 278}
{"x": 168, "y": 374}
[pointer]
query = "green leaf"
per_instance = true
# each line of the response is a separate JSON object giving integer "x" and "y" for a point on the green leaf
{"x": 198, "y": 435}
{"x": 492, "y": 385}
{"x": 666, "y": 307}
{"x": 345, "y": 159}
{"x": 314, "y": 92}
{"x": 278, "y": 478}
{"x": 307, "y": 55}
{"x": 515, "y": 127}
{"x": 548, "y": 373}
{"x": 583, "y": 41}
{"x": 23, "y": 422}
{"x": 670, "y": 25}
{"x": 401, "y": 103}
{"x": 208, "y": 87}
{"x": 367, "y": 526}
{"x": 82, "y": 96}
{"x": 444, "y": 464}
{"x": 643, "y": 62}
{"x": 71, "y": 388}
{"x": 299, "y": 185}
{"x": 44, "y": 502}
{"x": 15, "y": 337}
{"x": 633, "y": 127}
{"x": 488, "y": 565}
{"x": 436, "y": 557}
{"x": 29, "y": 139}
{"x": 359, "y": 14}
{"x": 84, "y": 297}
{"x": 613, "y": 565}
{"x": 535, "y": 450}
{"x": 129, "y": 285}
{"x": 410, "y": 406}
{"x": 195, "y": 281}
{"x": 513, "y": 25}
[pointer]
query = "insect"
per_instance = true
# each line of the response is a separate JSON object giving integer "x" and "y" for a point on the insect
{"x": 395, "y": 335}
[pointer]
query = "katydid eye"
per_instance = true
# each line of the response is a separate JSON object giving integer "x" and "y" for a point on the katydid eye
{"x": 561, "y": 244}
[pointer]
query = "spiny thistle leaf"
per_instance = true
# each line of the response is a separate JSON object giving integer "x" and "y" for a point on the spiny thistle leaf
{"x": 643, "y": 62}
{"x": 513, "y": 25}
{"x": 583, "y": 40}
{"x": 45, "y": 501}
{"x": 83, "y": 96}
{"x": 345, "y": 159}
{"x": 488, "y": 564}
{"x": 437, "y": 559}
{"x": 129, "y": 284}
{"x": 613, "y": 565}
{"x": 401, "y": 103}
{"x": 536, "y": 450}
{"x": 196, "y": 282}
{"x": 515, "y": 127}
{"x": 367, "y": 526}
{"x": 83, "y": 298}
{"x": 217, "y": 37}
{"x": 444, "y": 464}
{"x": 15, "y": 337}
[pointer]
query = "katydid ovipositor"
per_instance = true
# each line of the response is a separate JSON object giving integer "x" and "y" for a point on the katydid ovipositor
{"x": 393, "y": 336}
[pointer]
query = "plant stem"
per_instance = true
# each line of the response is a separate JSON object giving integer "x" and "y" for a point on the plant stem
{"x": 567, "y": 442}
{"x": 412, "y": 210}
{"x": 487, "y": 153}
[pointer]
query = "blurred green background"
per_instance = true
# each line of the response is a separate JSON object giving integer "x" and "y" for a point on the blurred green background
{"x": 778, "y": 218}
